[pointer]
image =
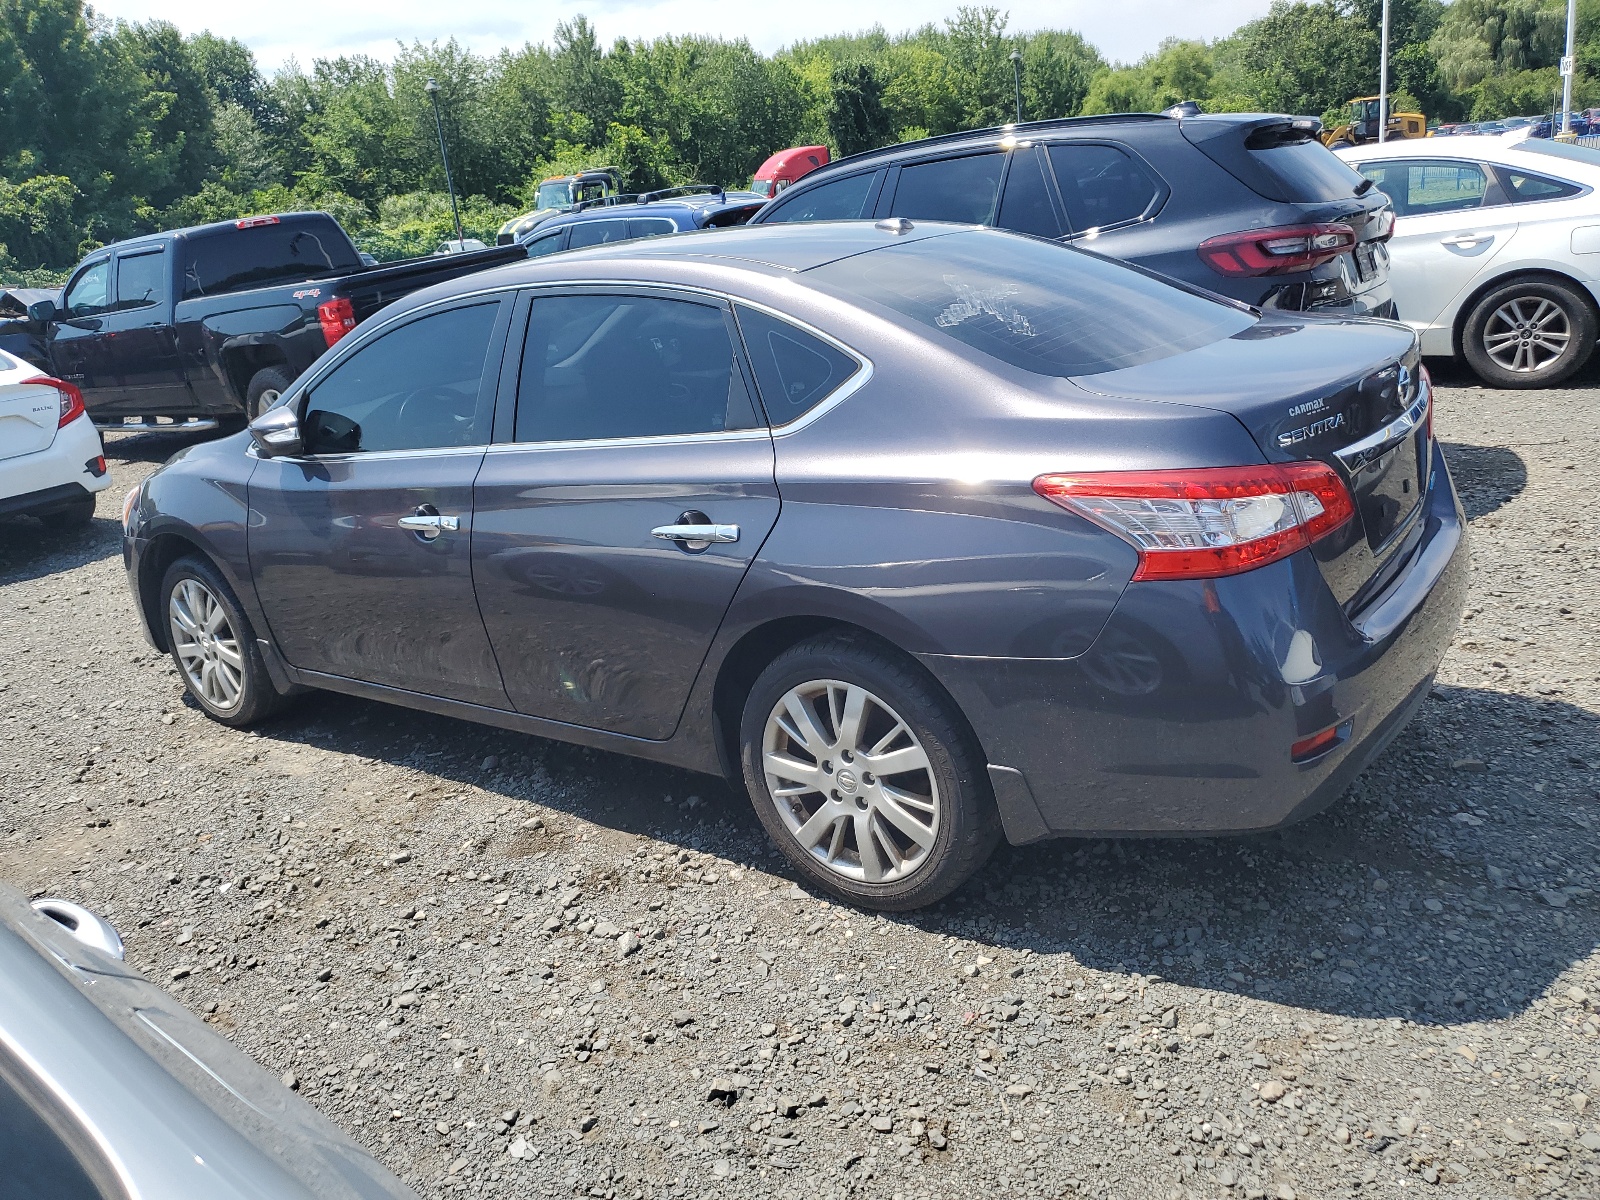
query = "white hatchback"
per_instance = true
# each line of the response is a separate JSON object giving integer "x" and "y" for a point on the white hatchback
{"x": 1496, "y": 250}
{"x": 51, "y": 459}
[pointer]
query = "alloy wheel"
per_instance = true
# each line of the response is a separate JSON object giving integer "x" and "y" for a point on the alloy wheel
{"x": 1527, "y": 333}
{"x": 206, "y": 645}
{"x": 851, "y": 781}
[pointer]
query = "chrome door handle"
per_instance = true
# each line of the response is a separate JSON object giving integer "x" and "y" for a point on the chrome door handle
{"x": 429, "y": 525}
{"x": 704, "y": 534}
{"x": 1466, "y": 239}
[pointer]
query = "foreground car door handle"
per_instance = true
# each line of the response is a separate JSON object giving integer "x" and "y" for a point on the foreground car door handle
{"x": 1466, "y": 240}
{"x": 427, "y": 524}
{"x": 697, "y": 533}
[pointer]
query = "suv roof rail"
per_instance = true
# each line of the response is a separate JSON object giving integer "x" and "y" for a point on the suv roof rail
{"x": 687, "y": 189}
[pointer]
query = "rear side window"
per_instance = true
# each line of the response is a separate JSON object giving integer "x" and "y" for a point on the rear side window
{"x": 547, "y": 243}
{"x": 1101, "y": 185}
{"x": 1026, "y": 206}
{"x": 1522, "y": 186}
{"x": 952, "y": 189}
{"x": 1043, "y": 307}
{"x": 230, "y": 259}
{"x": 838, "y": 200}
{"x": 414, "y": 388}
{"x": 141, "y": 280}
{"x": 1306, "y": 170}
{"x": 1419, "y": 189}
{"x": 597, "y": 233}
{"x": 626, "y": 366}
{"x": 795, "y": 370}
{"x": 643, "y": 227}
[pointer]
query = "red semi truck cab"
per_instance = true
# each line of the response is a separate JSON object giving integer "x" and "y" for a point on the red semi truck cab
{"x": 786, "y": 166}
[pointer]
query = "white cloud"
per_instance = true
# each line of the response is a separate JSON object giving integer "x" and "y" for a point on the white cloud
{"x": 308, "y": 29}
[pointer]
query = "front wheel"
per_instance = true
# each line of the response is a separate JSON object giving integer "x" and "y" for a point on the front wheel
{"x": 1529, "y": 333}
{"x": 865, "y": 775}
{"x": 214, "y": 646}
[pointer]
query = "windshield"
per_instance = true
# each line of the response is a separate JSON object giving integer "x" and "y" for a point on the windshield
{"x": 1035, "y": 304}
{"x": 553, "y": 193}
{"x": 762, "y": 187}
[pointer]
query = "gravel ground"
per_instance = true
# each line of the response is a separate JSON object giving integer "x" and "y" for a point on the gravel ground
{"x": 514, "y": 968}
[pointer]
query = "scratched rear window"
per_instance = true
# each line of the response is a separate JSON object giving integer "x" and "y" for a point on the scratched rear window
{"x": 1043, "y": 307}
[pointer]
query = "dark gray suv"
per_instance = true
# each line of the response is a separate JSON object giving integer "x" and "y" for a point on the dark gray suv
{"x": 921, "y": 534}
{"x": 1249, "y": 205}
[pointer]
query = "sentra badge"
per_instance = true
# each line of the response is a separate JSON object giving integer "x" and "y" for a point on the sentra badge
{"x": 1306, "y": 432}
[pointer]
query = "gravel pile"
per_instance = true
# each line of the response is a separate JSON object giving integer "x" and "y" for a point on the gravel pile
{"x": 514, "y": 968}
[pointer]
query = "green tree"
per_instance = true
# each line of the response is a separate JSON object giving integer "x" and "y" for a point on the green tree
{"x": 857, "y": 119}
{"x": 1057, "y": 68}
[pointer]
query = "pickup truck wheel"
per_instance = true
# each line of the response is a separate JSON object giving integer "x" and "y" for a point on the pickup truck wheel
{"x": 266, "y": 385}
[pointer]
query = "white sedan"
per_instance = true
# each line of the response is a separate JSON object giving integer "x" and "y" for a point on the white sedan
{"x": 51, "y": 459}
{"x": 1496, "y": 250}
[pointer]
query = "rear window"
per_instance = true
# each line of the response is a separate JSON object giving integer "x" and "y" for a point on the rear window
{"x": 231, "y": 259}
{"x": 1045, "y": 308}
{"x": 1306, "y": 170}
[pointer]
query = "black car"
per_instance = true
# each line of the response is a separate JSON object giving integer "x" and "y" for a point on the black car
{"x": 920, "y": 533}
{"x": 650, "y": 214}
{"x": 1251, "y": 206}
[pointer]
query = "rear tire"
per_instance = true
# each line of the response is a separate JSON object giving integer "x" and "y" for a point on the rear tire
{"x": 266, "y": 385}
{"x": 1529, "y": 333}
{"x": 928, "y": 825}
{"x": 214, "y": 647}
{"x": 74, "y": 515}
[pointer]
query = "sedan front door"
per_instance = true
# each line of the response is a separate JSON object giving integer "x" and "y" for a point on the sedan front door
{"x": 361, "y": 547}
{"x": 634, "y": 431}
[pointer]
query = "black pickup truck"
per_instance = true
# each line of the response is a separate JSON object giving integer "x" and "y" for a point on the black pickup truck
{"x": 207, "y": 325}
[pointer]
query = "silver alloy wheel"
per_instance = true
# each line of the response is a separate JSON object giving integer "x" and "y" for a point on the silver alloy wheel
{"x": 205, "y": 644}
{"x": 851, "y": 781}
{"x": 1528, "y": 333}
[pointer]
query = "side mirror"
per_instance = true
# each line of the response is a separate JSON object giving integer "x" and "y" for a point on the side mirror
{"x": 276, "y": 432}
{"x": 42, "y": 312}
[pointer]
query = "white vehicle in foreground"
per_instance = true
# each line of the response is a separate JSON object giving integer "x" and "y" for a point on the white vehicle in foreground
{"x": 51, "y": 459}
{"x": 1496, "y": 250}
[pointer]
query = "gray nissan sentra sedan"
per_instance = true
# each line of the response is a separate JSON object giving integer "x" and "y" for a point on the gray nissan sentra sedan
{"x": 925, "y": 534}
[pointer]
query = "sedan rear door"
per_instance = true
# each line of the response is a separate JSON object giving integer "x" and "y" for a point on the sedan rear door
{"x": 634, "y": 427}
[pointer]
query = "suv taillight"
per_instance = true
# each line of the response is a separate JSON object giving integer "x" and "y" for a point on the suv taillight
{"x": 338, "y": 318}
{"x": 1210, "y": 522}
{"x": 1280, "y": 250}
{"x": 71, "y": 398}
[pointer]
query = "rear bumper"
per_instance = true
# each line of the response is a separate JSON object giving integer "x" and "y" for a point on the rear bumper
{"x": 1180, "y": 718}
{"x": 54, "y": 477}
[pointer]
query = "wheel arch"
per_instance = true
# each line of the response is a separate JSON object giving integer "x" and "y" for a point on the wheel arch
{"x": 1532, "y": 274}
{"x": 242, "y": 360}
{"x": 164, "y": 550}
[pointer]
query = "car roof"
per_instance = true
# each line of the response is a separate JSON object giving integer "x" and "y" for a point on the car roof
{"x": 707, "y": 202}
{"x": 1532, "y": 153}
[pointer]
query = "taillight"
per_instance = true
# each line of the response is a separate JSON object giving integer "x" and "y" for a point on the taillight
{"x": 1210, "y": 522}
{"x": 338, "y": 318}
{"x": 255, "y": 222}
{"x": 1277, "y": 251}
{"x": 71, "y": 398}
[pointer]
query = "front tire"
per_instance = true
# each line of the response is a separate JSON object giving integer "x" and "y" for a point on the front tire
{"x": 866, "y": 775}
{"x": 214, "y": 646}
{"x": 1529, "y": 333}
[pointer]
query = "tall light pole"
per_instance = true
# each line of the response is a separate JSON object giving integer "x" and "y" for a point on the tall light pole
{"x": 438, "y": 123}
{"x": 1016, "y": 75}
{"x": 1383, "y": 77}
{"x": 1567, "y": 65}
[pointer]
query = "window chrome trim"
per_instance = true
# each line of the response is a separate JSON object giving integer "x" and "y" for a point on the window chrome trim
{"x": 838, "y": 396}
{"x": 354, "y": 456}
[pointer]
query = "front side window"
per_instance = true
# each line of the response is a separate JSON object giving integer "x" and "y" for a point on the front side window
{"x": 141, "y": 280}
{"x": 838, "y": 200}
{"x": 1040, "y": 306}
{"x": 1101, "y": 185}
{"x": 1420, "y": 189}
{"x": 795, "y": 370}
{"x": 90, "y": 292}
{"x": 953, "y": 189}
{"x": 627, "y": 366}
{"x": 597, "y": 233}
{"x": 416, "y": 387}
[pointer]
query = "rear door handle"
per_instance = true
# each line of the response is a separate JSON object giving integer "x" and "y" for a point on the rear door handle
{"x": 427, "y": 524}
{"x": 1466, "y": 240}
{"x": 697, "y": 533}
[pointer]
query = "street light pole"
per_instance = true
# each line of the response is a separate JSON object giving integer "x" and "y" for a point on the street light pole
{"x": 1567, "y": 65}
{"x": 1383, "y": 77}
{"x": 1016, "y": 73}
{"x": 438, "y": 123}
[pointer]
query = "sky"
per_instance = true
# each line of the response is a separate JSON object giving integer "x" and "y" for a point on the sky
{"x": 308, "y": 29}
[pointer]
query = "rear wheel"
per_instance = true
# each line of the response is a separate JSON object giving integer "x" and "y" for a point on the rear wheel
{"x": 1529, "y": 333}
{"x": 266, "y": 385}
{"x": 865, "y": 775}
{"x": 214, "y": 646}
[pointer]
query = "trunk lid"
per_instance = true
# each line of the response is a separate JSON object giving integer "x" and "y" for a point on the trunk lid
{"x": 1346, "y": 393}
{"x": 28, "y": 413}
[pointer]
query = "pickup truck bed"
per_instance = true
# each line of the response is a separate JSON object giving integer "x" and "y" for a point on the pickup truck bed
{"x": 177, "y": 325}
